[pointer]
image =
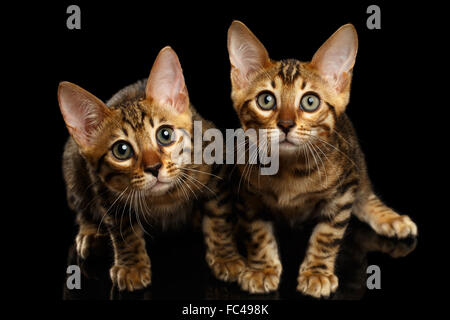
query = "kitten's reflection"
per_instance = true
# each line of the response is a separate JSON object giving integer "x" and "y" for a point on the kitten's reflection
{"x": 181, "y": 273}
{"x": 352, "y": 262}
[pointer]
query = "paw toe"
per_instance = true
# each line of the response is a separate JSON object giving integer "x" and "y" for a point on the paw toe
{"x": 83, "y": 244}
{"x": 317, "y": 285}
{"x": 226, "y": 269}
{"x": 399, "y": 226}
{"x": 130, "y": 277}
{"x": 259, "y": 281}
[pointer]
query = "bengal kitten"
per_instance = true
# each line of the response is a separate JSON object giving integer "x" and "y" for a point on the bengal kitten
{"x": 121, "y": 165}
{"x": 322, "y": 173}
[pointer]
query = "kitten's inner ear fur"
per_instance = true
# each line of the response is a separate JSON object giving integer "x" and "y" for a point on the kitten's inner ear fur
{"x": 83, "y": 112}
{"x": 247, "y": 54}
{"x": 335, "y": 59}
{"x": 165, "y": 84}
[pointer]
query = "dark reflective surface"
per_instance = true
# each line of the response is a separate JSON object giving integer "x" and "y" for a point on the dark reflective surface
{"x": 179, "y": 270}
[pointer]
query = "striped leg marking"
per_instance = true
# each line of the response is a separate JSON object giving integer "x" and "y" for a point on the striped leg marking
{"x": 131, "y": 270}
{"x": 316, "y": 276}
{"x": 222, "y": 255}
{"x": 264, "y": 266}
{"x": 386, "y": 221}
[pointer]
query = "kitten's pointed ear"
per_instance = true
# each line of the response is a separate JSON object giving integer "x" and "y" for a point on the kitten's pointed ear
{"x": 166, "y": 82}
{"x": 336, "y": 57}
{"x": 247, "y": 53}
{"x": 82, "y": 112}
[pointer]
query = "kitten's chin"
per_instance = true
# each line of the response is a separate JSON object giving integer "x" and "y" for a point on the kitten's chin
{"x": 287, "y": 148}
{"x": 159, "y": 188}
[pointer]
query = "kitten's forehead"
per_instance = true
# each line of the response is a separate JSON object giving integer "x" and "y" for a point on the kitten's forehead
{"x": 295, "y": 73}
{"x": 134, "y": 113}
{"x": 289, "y": 70}
{"x": 287, "y": 73}
{"x": 137, "y": 113}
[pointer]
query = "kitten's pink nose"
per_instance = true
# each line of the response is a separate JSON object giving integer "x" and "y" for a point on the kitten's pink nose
{"x": 285, "y": 125}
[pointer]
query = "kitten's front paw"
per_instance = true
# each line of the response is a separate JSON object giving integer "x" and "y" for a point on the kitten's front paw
{"x": 260, "y": 280}
{"x": 226, "y": 269}
{"x": 396, "y": 226}
{"x": 317, "y": 284}
{"x": 84, "y": 241}
{"x": 133, "y": 277}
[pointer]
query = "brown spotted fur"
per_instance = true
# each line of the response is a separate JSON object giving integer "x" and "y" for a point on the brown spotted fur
{"x": 324, "y": 178}
{"x": 108, "y": 198}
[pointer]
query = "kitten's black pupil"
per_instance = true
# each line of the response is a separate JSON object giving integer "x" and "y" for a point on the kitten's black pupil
{"x": 310, "y": 100}
{"x": 166, "y": 134}
{"x": 268, "y": 99}
{"x": 123, "y": 149}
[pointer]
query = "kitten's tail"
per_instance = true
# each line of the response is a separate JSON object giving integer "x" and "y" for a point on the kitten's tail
{"x": 382, "y": 219}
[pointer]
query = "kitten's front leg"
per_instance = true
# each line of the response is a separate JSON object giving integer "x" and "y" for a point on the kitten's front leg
{"x": 263, "y": 271}
{"x": 131, "y": 268}
{"x": 316, "y": 277}
{"x": 222, "y": 254}
{"x": 264, "y": 266}
{"x": 87, "y": 233}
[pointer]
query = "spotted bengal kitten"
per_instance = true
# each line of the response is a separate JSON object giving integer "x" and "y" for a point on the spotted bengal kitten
{"x": 121, "y": 165}
{"x": 322, "y": 173}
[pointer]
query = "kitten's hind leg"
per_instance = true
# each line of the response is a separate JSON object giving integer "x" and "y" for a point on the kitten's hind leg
{"x": 383, "y": 219}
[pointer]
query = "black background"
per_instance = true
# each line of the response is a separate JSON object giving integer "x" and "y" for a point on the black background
{"x": 118, "y": 43}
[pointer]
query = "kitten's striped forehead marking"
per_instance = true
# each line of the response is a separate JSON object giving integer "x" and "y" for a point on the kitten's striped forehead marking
{"x": 133, "y": 113}
{"x": 289, "y": 71}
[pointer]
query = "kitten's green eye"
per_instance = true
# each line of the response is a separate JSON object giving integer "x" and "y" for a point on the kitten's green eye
{"x": 165, "y": 136}
{"x": 310, "y": 102}
{"x": 266, "y": 101}
{"x": 122, "y": 150}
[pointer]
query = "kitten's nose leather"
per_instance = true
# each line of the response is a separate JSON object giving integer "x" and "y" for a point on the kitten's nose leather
{"x": 153, "y": 169}
{"x": 285, "y": 125}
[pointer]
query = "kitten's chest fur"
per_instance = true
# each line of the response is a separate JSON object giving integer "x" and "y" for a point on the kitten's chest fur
{"x": 297, "y": 189}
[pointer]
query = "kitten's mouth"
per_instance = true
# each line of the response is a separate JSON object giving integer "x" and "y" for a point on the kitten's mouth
{"x": 288, "y": 147}
{"x": 159, "y": 187}
{"x": 159, "y": 184}
{"x": 286, "y": 142}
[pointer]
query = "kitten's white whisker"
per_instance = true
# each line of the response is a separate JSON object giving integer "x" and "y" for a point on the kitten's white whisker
{"x": 121, "y": 218}
{"x": 201, "y": 183}
{"x": 180, "y": 186}
{"x": 324, "y": 167}
{"x": 186, "y": 184}
{"x": 337, "y": 149}
{"x": 141, "y": 204}
{"x": 207, "y": 173}
{"x": 117, "y": 199}
{"x": 132, "y": 205}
